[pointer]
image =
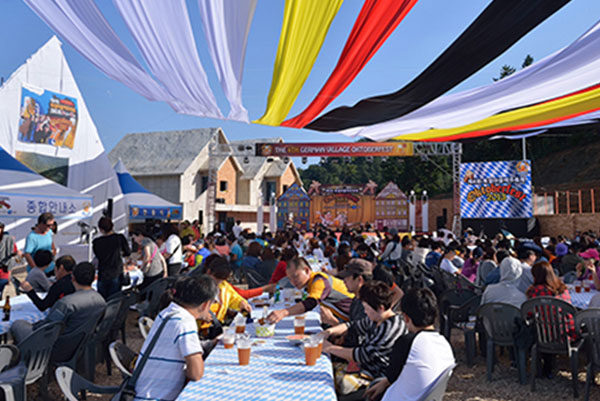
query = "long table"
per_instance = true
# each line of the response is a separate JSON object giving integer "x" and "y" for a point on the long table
{"x": 277, "y": 371}
{"x": 581, "y": 300}
{"x": 21, "y": 308}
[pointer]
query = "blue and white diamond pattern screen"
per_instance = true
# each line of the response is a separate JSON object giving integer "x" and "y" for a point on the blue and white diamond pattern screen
{"x": 495, "y": 189}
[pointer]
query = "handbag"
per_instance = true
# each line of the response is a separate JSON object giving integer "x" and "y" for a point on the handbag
{"x": 127, "y": 390}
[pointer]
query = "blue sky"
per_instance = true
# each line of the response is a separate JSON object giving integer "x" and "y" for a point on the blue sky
{"x": 427, "y": 30}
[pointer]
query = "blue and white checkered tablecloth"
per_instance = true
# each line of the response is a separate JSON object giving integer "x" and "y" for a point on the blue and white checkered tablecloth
{"x": 21, "y": 309}
{"x": 277, "y": 371}
{"x": 581, "y": 300}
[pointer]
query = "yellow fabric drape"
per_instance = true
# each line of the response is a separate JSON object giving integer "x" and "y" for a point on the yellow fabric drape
{"x": 526, "y": 117}
{"x": 305, "y": 25}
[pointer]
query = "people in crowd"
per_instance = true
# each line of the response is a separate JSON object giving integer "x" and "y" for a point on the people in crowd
{"x": 185, "y": 229}
{"x": 355, "y": 274}
{"x": 421, "y": 251}
{"x": 177, "y": 356}
{"x": 322, "y": 289}
{"x": 36, "y": 276}
{"x": 471, "y": 265}
{"x": 76, "y": 310}
{"x": 109, "y": 249}
{"x": 393, "y": 249}
{"x": 446, "y": 262}
{"x": 506, "y": 291}
{"x": 433, "y": 257}
{"x": 378, "y": 332}
{"x": 418, "y": 358}
{"x": 546, "y": 284}
{"x": 61, "y": 288}
{"x": 154, "y": 265}
{"x": 237, "y": 229}
{"x": 407, "y": 250}
{"x": 40, "y": 238}
{"x": 487, "y": 265}
{"x": 588, "y": 269}
{"x": 252, "y": 257}
{"x": 527, "y": 257}
{"x": 235, "y": 252}
{"x": 172, "y": 250}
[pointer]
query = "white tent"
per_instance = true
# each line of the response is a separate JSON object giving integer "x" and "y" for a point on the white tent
{"x": 45, "y": 124}
{"x": 141, "y": 203}
{"x": 24, "y": 195}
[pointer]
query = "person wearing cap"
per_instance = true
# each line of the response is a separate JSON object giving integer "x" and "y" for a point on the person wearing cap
{"x": 323, "y": 289}
{"x": 356, "y": 273}
{"x": 587, "y": 269}
{"x": 506, "y": 290}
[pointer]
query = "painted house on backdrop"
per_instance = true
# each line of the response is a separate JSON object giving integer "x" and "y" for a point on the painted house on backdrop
{"x": 391, "y": 208}
{"x": 174, "y": 165}
{"x": 293, "y": 207}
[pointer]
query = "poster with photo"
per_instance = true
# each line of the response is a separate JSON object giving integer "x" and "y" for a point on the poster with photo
{"x": 47, "y": 118}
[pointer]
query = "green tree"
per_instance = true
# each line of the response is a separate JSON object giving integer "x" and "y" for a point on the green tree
{"x": 505, "y": 71}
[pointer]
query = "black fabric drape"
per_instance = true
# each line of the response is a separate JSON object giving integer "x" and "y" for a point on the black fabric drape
{"x": 496, "y": 29}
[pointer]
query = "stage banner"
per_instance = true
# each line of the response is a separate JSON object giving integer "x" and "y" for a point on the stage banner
{"x": 335, "y": 149}
{"x": 499, "y": 189}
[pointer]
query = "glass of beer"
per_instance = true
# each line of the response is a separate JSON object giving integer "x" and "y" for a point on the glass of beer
{"x": 228, "y": 338}
{"x": 299, "y": 323}
{"x": 311, "y": 352}
{"x": 587, "y": 285}
{"x": 243, "y": 347}
{"x": 577, "y": 286}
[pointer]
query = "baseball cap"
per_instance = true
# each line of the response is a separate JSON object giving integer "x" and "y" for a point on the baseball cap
{"x": 357, "y": 266}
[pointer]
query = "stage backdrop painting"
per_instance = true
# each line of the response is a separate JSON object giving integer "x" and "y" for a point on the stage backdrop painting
{"x": 337, "y": 205}
{"x": 499, "y": 189}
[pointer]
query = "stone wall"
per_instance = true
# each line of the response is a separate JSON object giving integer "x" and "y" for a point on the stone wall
{"x": 568, "y": 224}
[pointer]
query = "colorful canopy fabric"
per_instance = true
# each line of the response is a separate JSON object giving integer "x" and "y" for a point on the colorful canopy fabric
{"x": 525, "y": 118}
{"x": 163, "y": 33}
{"x": 500, "y": 25}
{"x": 305, "y": 25}
{"x": 573, "y": 68}
{"x": 226, "y": 26}
{"x": 375, "y": 23}
{"x": 83, "y": 26}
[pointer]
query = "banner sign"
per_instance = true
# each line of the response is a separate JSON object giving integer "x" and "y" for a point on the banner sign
{"x": 335, "y": 149}
{"x": 155, "y": 212}
{"x": 496, "y": 189}
{"x": 47, "y": 118}
{"x": 27, "y": 206}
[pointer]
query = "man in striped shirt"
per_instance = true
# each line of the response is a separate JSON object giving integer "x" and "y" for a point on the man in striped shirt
{"x": 379, "y": 330}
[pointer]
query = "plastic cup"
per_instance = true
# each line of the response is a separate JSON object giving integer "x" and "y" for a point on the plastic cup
{"x": 299, "y": 323}
{"x": 244, "y": 355}
{"x": 228, "y": 339}
{"x": 240, "y": 329}
{"x": 586, "y": 285}
{"x": 320, "y": 349}
{"x": 311, "y": 354}
{"x": 578, "y": 286}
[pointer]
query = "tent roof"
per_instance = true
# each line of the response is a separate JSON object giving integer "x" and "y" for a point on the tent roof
{"x": 17, "y": 178}
{"x": 135, "y": 193}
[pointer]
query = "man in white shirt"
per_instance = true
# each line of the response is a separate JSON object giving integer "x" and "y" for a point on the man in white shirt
{"x": 417, "y": 358}
{"x": 446, "y": 262}
{"x": 237, "y": 229}
{"x": 172, "y": 251}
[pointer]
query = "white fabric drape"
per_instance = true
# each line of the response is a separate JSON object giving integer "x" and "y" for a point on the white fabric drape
{"x": 82, "y": 25}
{"x": 572, "y": 68}
{"x": 226, "y": 25}
{"x": 163, "y": 33}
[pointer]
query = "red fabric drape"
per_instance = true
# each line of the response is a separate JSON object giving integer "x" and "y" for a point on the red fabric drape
{"x": 375, "y": 23}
